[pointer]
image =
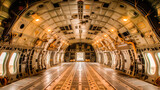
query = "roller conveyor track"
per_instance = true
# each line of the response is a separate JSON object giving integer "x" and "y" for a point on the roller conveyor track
{"x": 85, "y": 77}
{"x": 118, "y": 83}
{"x": 47, "y": 78}
{"x": 79, "y": 78}
{"x": 102, "y": 85}
{"x": 76, "y": 76}
{"x": 64, "y": 81}
{"x": 34, "y": 81}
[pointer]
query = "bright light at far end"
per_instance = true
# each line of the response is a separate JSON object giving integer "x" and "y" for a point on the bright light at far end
{"x": 37, "y": 20}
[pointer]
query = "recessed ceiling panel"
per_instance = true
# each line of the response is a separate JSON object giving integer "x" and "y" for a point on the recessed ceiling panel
{"x": 50, "y": 21}
{"x": 29, "y": 29}
{"x": 44, "y": 25}
{"x": 49, "y": 6}
{"x": 53, "y": 13}
{"x": 45, "y": 16}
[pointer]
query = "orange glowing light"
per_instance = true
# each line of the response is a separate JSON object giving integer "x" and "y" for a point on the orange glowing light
{"x": 37, "y": 20}
{"x": 105, "y": 35}
{"x": 112, "y": 30}
{"x": 125, "y": 19}
{"x": 49, "y": 30}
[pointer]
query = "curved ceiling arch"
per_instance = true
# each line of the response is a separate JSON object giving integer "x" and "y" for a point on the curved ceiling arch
{"x": 103, "y": 22}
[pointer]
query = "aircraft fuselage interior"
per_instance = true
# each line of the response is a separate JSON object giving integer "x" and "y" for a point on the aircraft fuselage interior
{"x": 80, "y": 44}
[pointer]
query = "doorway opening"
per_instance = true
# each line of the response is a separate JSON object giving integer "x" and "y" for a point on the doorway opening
{"x": 80, "y": 56}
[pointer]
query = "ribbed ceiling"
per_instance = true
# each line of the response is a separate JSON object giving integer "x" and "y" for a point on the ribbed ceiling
{"x": 104, "y": 22}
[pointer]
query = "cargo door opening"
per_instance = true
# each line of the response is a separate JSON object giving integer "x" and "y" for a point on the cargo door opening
{"x": 80, "y": 56}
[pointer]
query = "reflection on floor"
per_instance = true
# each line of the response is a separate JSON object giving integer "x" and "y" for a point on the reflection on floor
{"x": 80, "y": 76}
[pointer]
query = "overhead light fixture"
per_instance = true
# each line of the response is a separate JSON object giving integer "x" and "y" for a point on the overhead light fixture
{"x": 37, "y": 20}
{"x": 125, "y": 18}
{"x": 36, "y": 17}
{"x": 105, "y": 35}
{"x": 49, "y": 30}
{"x": 112, "y": 30}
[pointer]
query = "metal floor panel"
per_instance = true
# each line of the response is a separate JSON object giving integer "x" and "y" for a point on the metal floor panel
{"x": 121, "y": 78}
{"x": 80, "y": 76}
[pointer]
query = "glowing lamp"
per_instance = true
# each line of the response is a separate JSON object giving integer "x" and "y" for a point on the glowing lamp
{"x": 112, "y": 30}
{"x": 125, "y": 19}
{"x": 37, "y": 20}
{"x": 49, "y": 30}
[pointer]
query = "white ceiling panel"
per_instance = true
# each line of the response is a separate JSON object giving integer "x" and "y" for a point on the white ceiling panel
{"x": 53, "y": 13}
{"x": 49, "y": 6}
{"x": 105, "y": 19}
{"x": 59, "y": 24}
{"x": 116, "y": 16}
{"x": 117, "y": 25}
{"x": 21, "y": 22}
{"x": 29, "y": 29}
{"x": 73, "y": 7}
{"x": 64, "y": 22}
{"x": 65, "y": 8}
{"x": 45, "y": 16}
{"x": 59, "y": 12}
{"x": 42, "y": 10}
{"x": 74, "y": 11}
{"x": 129, "y": 25}
{"x": 102, "y": 12}
{"x": 50, "y": 21}
{"x": 44, "y": 25}
{"x": 62, "y": 18}
{"x": 53, "y": 26}
{"x": 109, "y": 13}
{"x": 68, "y": 21}
{"x": 37, "y": 31}
{"x": 108, "y": 26}
{"x": 113, "y": 5}
{"x": 56, "y": 19}
{"x": 102, "y": 23}
{"x": 122, "y": 30}
{"x": 67, "y": 12}
{"x": 111, "y": 21}
{"x": 99, "y": 17}
{"x": 97, "y": 22}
